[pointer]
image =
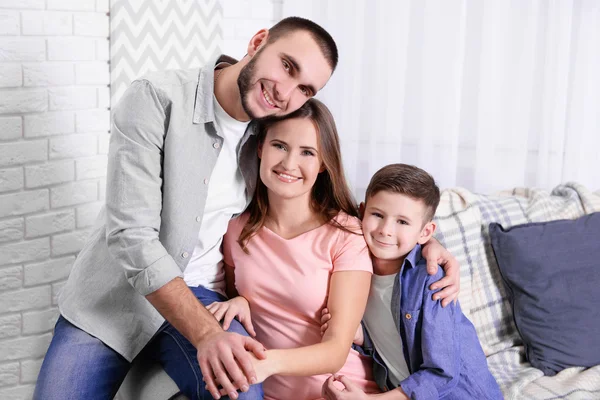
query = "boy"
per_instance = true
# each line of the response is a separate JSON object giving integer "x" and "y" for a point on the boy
{"x": 420, "y": 349}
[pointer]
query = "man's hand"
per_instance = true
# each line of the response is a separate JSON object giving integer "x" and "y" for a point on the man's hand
{"x": 228, "y": 310}
{"x": 223, "y": 355}
{"x": 350, "y": 391}
{"x": 263, "y": 368}
{"x": 359, "y": 338}
{"x": 436, "y": 255}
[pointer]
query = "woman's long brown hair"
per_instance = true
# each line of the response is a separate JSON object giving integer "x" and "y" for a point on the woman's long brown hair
{"x": 330, "y": 193}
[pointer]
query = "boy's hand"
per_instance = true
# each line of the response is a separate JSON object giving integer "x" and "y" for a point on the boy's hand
{"x": 359, "y": 338}
{"x": 228, "y": 310}
{"x": 436, "y": 254}
{"x": 350, "y": 391}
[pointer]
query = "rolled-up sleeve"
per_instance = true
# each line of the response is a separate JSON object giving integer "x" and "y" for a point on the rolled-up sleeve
{"x": 133, "y": 192}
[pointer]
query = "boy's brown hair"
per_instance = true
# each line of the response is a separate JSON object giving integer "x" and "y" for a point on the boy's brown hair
{"x": 408, "y": 180}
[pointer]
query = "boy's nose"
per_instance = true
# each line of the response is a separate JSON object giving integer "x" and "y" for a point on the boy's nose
{"x": 385, "y": 229}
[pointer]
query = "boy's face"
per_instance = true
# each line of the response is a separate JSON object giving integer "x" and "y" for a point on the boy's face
{"x": 393, "y": 224}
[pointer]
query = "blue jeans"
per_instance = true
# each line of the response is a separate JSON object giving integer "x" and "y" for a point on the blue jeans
{"x": 79, "y": 366}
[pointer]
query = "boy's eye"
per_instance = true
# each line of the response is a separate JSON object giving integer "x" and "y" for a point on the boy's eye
{"x": 402, "y": 222}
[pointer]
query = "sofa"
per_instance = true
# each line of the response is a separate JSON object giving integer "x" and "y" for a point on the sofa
{"x": 463, "y": 226}
{"x": 464, "y": 220}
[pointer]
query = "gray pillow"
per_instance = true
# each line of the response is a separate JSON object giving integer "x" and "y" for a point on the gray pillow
{"x": 552, "y": 273}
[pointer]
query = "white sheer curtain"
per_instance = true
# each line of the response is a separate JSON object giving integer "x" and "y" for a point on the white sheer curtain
{"x": 487, "y": 95}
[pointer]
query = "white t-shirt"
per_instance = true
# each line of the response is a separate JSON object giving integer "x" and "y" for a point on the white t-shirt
{"x": 382, "y": 329}
{"x": 226, "y": 197}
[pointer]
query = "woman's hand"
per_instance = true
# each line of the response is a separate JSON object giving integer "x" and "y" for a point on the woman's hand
{"x": 228, "y": 310}
{"x": 359, "y": 338}
{"x": 263, "y": 369}
{"x": 436, "y": 254}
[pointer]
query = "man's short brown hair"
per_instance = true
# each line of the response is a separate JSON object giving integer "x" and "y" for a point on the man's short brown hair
{"x": 318, "y": 33}
{"x": 408, "y": 180}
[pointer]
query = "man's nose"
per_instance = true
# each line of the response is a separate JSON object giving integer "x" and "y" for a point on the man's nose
{"x": 284, "y": 89}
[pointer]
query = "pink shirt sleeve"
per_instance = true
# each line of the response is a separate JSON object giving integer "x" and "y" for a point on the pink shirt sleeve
{"x": 231, "y": 237}
{"x": 351, "y": 252}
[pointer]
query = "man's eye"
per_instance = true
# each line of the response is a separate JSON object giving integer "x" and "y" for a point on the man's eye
{"x": 304, "y": 91}
{"x": 286, "y": 65}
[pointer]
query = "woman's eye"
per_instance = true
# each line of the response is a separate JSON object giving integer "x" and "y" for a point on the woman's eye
{"x": 377, "y": 215}
{"x": 307, "y": 153}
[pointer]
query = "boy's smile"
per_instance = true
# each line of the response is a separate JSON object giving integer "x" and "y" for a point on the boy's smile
{"x": 393, "y": 224}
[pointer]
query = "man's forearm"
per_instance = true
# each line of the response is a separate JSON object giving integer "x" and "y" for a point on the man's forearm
{"x": 178, "y": 305}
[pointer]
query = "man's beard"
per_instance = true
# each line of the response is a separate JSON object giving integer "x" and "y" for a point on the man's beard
{"x": 244, "y": 82}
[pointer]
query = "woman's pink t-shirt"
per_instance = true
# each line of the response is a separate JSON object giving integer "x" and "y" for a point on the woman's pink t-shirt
{"x": 286, "y": 282}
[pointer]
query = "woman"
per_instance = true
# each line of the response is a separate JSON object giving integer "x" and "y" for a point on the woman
{"x": 297, "y": 249}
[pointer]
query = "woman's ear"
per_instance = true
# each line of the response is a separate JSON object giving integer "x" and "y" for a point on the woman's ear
{"x": 260, "y": 145}
{"x": 257, "y": 41}
{"x": 427, "y": 232}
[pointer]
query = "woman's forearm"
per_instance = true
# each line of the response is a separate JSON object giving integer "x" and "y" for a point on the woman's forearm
{"x": 321, "y": 358}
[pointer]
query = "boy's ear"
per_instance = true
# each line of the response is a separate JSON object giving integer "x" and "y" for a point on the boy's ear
{"x": 361, "y": 210}
{"x": 427, "y": 232}
{"x": 257, "y": 41}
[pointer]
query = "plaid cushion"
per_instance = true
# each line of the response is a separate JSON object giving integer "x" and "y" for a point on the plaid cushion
{"x": 463, "y": 218}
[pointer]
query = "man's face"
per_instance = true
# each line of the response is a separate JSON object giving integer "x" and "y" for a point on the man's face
{"x": 282, "y": 75}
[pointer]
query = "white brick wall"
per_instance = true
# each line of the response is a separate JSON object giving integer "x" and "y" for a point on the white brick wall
{"x": 54, "y": 126}
{"x": 53, "y": 144}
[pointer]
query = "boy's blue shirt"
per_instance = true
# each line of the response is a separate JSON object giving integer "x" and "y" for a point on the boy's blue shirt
{"x": 440, "y": 345}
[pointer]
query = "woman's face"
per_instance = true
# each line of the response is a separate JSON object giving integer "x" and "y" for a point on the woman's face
{"x": 290, "y": 159}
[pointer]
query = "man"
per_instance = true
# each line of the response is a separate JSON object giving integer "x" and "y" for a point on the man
{"x": 182, "y": 162}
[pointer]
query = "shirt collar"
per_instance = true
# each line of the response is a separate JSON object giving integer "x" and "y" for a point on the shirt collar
{"x": 411, "y": 260}
{"x": 204, "y": 108}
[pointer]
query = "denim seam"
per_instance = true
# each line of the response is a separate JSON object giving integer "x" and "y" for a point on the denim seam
{"x": 176, "y": 340}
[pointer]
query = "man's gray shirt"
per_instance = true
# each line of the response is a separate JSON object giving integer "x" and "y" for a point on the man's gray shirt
{"x": 162, "y": 153}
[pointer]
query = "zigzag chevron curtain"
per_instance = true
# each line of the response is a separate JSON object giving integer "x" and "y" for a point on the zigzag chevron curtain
{"x": 150, "y": 35}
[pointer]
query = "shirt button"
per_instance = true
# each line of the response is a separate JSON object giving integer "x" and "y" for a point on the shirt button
{"x": 206, "y": 181}
{"x": 185, "y": 254}
{"x": 198, "y": 219}
{"x": 216, "y": 145}
{"x": 408, "y": 316}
